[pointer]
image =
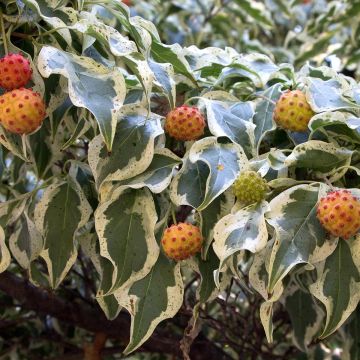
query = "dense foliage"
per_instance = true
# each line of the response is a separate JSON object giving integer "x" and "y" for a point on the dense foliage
{"x": 87, "y": 197}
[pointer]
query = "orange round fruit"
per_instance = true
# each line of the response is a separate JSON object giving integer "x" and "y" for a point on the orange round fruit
{"x": 339, "y": 213}
{"x": 22, "y": 111}
{"x": 181, "y": 241}
{"x": 15, "y": 71}
{"x": 185, "y": 123}
{"x": 292, "y": 111}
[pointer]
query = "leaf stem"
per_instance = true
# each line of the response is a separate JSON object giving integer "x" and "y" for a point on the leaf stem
{"x": 173, "y": 216}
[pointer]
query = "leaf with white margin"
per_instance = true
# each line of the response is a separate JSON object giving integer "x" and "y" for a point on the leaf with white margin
{"x": 5, "y": 257}
{"x": 327, "y": 95}
{"x": 90, "y": 247}
{"x": 133, "y": 148}
{"x": 300, "y": 239}
{"x": 338, "y": 124}
{"x": 164, "y": 77}
{"x": 209, "y": 169}
{"x": 338, "y": 284}
{"x": 91, "y": 85}
{"x": 141, "y": 69}
{"x": 13, "y": 143}
{"x": 118, "y": 44}
{"x": 54, "y": 17}
{"x": 26, "y": 241}
{"x": 266, "y": 314}
{"x": 157, "y": 177}
{"x": 62, "y": 210}
{"x": 320, "y": 156}
{"x": 156, "y": 297}
{"x": 220, "y": 207}
{"x": 263, "y": 118}
{"x": 173, "y": 54}
{"x": 243, "y": 230}
{"x": 304, "y": 315}
{"x": 256, "y": 67}
{"x": 258, "y": 275}
{"x": 233, "y": 122}
{"x": 125, "y": 226}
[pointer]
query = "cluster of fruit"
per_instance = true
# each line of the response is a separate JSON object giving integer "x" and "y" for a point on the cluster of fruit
{"x": 22, "y": 110}
{"x": 338, "y": 211}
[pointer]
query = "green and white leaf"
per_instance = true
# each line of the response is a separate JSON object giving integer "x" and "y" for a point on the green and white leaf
{"x": 133, "y": 148}
{"x": 305, "y": 316}
{"x": 25, "y": 242}
{"x": 5, "y": 257}
{"x": 209, "y": 169}
{"x": 243, "y": 230}
{"x": 66, "y": 202}
{"x": 91, "y": 85}
{"x": 299, "y": 237}
{"x": 320, "y": 156}
{"x": 232, "y": 121}
{"x": 125, "y": 226}
{"x": 338, "y": 284}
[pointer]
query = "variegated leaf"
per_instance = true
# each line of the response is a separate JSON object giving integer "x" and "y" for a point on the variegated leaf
{"x": 62, "y": 210}
{"x": 158, "y": 175}
{"x": 243, "y": 230}
{"x": 91, "y": 85}
{"x": 338, "y": 124}
{"x": 26, "y": 241}
{"x": 220, "y": 207}
{"x": 5, "y": 257}
{"x": 125, "y": 226}
{"x": 263, "y": 118}
{"x": 266, "y": 315}
{"x": 319, "y": 156}
{"x": 118, "y": 44}
{"x": 209, "y": 169}
{"x": 305, "y": 317}
{"x": 56, "y": 18}
{"x": 338, "y": 284}
{"x": 153, "y": 299}
{"x": 90, "y": 246}
{"x": 327, "y": 95}
{"x": 299, "y": 236}
{"x": 133, "y": 148}
{"x": 232, "y": 121}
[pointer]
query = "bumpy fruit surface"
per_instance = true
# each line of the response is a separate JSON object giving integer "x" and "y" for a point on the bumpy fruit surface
{"x": 181, "y": 241}
{"x": 21, "y": 111}
{"x": 292, "y": 111}
{"x": 185, "y": 123}
{"x": 15, "y": 71}
{"x": 339, "y": 213}
{"x": 250, "y": 187}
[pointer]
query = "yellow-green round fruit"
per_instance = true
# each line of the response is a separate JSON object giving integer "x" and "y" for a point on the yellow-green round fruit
{"x": 250, "y": 187}
{"x": 293, "y": 112}
{"x": 181, "y": 241}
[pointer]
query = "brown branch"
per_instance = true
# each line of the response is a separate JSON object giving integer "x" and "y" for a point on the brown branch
{"x": 92, "y": 319}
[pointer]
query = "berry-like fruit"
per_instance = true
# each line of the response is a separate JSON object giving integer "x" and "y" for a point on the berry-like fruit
{"x": 21, "y": 111}
{"x": 292, "y": 111}
{"x": 181, "y": 241}
{"x": 185, "y": 123}
{"x": 250, "y": 187}
{"x": 339, "y": 213}
{"x": 15, "y": 71}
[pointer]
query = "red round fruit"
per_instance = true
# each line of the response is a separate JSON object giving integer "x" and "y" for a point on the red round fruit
{"x": 22, "y": 111}
{"x": 181, "y": 241}
{"x": 339, "y": 213}
{"x": 185, "y": 123}
{"x": 15, "y": 71}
